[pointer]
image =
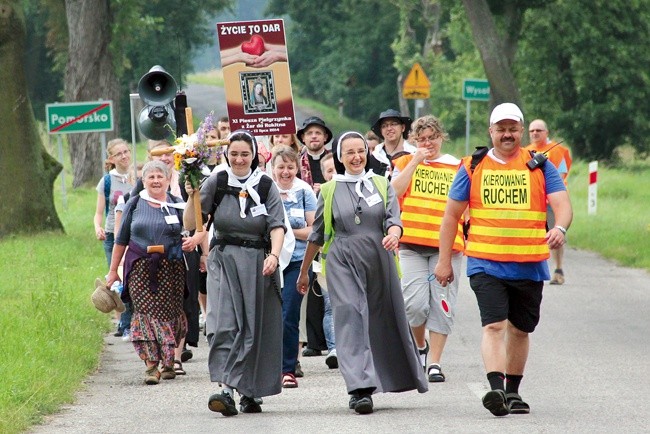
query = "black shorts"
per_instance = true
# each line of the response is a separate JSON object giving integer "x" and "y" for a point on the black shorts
{"x": 518, "y": 301}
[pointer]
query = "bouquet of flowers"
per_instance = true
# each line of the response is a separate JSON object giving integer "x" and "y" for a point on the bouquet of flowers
{"x": 191, "y": 154}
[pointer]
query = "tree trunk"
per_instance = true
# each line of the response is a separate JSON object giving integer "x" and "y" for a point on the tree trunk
{"x": 496, "y": 53}
{"x": 89, "y": 76}
{"x": 28, "y": 171}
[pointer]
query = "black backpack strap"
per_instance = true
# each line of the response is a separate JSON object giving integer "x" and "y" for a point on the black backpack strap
{"x": 477, "y": 157}
{"x": 264, "y": 188}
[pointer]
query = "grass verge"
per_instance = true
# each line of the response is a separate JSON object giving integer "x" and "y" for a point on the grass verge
{"x": 52, "y": 335}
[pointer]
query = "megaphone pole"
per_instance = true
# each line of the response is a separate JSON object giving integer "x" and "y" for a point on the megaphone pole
{"x": 196, "y": 195}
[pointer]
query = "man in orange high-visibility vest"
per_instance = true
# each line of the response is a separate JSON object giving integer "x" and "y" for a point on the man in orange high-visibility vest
{"x": 561, "y": 159}
{"x": 507, "y": 248}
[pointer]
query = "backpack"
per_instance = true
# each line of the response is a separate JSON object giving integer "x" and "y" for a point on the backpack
{"x": 223, "y": 188}
{"x": 107, "y": 192}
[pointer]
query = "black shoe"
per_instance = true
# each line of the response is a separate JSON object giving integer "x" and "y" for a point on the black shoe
{"x": 186, "y": 355}
{"x": 495, "y": 401}
{"x": 364, "y": 405}
{"x": 353, "y": 400}
{"x": 310, "y": 352}
{"x": 222, "y": 403}
{"x": 299, "y": 372}
{"x": 249, "y": 405}
{"x": 119, "y": 333}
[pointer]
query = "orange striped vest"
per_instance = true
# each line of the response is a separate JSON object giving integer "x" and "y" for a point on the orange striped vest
{"x": 507, "y": 210}
{"x": 423, "y": 203}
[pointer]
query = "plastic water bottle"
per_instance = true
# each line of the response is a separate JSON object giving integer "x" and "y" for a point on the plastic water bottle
{"x": 117, "y": 287}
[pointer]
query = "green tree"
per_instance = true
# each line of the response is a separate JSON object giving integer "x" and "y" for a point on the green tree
{"x": 342, "y": 50}
{"x": 28, "y": 170}
{"x": 585, "y": 67}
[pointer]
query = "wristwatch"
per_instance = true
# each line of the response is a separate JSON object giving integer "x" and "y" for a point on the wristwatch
{"x": 561, "y": 229}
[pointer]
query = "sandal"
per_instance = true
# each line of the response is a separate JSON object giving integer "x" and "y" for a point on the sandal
{"x": 289, "y": 381}
{"x": 435, "y": 374}
{"x": 178, "y": 368}
{"x": 516, "y": 405}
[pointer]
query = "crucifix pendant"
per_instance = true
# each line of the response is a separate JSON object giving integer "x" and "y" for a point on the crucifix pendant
{"x": 357, "y": 220}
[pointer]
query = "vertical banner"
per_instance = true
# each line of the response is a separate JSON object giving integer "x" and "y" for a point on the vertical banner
{"x": 256, "y": 76}
{"x": 593, "y": 188}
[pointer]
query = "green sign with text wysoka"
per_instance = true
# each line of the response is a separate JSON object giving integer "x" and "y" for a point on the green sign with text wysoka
{"x": 476, "y": 90}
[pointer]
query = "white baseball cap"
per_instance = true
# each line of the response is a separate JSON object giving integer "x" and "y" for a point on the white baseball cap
{"x": 507, "y": 110}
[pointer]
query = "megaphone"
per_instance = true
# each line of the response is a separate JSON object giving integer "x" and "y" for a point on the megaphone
{"x": 157, "y": 122}
{"x": 157, "y": 89}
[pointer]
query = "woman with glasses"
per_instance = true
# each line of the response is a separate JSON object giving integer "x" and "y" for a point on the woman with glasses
{"x": 421, "y": 182}
{"x": 357, "y": 224}
{"x": 244, "y": 305}
{"x": 116, "y": 183}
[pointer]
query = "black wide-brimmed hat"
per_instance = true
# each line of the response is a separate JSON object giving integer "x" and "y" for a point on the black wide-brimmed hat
{"x": 392, "y": 113}
{"x": 313, "y": 120}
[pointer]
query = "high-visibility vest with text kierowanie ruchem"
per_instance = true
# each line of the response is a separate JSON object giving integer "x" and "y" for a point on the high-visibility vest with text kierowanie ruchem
{"x": 423, "y": 203}
{"x": 507, "y": 210}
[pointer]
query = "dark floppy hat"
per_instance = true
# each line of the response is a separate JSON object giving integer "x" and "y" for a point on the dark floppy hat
{"x": 392, "y": 113}
{"x": 313, "y": 120}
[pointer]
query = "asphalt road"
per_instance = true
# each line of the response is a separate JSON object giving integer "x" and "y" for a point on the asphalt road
{"x": 588, "y": 371}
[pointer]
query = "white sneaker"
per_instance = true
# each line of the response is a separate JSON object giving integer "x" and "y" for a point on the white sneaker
{"x": 127, "y": 335}
{"x": 201, "y": 322}
{"x": 331, "y": 360}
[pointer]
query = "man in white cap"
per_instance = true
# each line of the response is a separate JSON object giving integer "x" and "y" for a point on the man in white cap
{"x": 507, "y": 248}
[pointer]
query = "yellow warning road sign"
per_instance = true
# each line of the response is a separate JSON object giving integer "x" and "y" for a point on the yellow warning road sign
{"x": 417, "y": 84}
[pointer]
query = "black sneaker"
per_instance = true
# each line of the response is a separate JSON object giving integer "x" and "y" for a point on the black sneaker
{"x": 353, "y": 400}
{"x": 299, "y": 373}
{"x": 186, "y": 355}
{"x": 364, "y": 405}
{"x": 249, "y": 405}
{"x": 310, "y": 352}
{"x": 222, "y": 403}
{"x": 118, "y": 333}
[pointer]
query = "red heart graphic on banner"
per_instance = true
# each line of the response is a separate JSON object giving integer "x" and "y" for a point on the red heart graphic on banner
{"x": 255, "y": 46}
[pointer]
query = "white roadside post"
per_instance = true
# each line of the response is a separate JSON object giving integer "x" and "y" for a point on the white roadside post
{"x": 592, "y": 199}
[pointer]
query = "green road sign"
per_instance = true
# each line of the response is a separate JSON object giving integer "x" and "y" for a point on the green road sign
{"x": 79, "y": 117}
{"x": 476, "y": 90}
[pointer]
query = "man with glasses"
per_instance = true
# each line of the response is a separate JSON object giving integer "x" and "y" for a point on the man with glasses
{"x": 561, "y": 159}
{"x": 507, "y": 248}
{"x": 394, "y": 129}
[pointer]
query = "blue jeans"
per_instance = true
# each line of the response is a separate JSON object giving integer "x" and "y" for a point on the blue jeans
{"x": 291, "y": 301}
{"x": 125, "y": 318}
{"x": 108, "y": 246}
{"x": 328, "y": 322}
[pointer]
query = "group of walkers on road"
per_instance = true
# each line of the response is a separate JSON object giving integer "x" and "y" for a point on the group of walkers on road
{"x": 339, "y": 244}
